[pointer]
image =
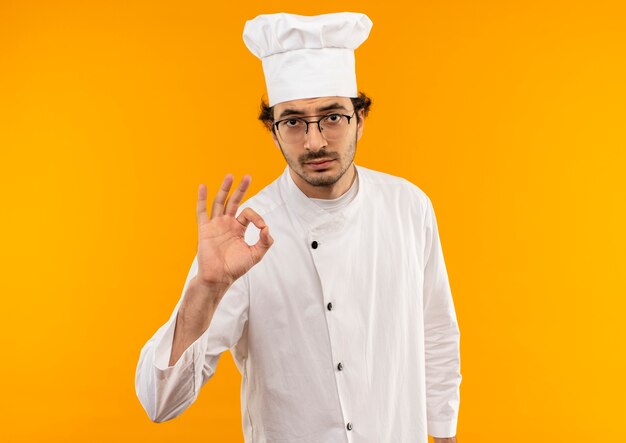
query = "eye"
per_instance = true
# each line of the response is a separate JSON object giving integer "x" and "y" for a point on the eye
{"x": 292, "y": 123}
{"x": 333, "y": 118}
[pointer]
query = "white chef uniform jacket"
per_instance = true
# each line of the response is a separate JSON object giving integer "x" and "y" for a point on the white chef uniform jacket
{"x": 344, "y": 332}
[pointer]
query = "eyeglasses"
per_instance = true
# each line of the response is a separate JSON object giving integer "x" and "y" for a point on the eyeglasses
{"x": 293, "y": 130}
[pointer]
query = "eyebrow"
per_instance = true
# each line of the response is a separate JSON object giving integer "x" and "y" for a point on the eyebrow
{"x": 330, "y": 107}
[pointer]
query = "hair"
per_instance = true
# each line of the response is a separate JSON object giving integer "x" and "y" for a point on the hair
{"x": 266, "y": 114}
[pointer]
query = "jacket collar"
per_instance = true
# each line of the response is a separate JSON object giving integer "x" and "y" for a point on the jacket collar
{"x": 311, "y": 215}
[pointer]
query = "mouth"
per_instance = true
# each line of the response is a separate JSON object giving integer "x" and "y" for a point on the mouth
{"x": 320, "y": 164}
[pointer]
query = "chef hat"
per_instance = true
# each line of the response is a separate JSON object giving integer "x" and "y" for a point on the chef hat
{"x": 307, "y": 56}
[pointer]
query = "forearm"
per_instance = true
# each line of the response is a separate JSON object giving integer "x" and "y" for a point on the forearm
{"x": 441, "y": 338}
{"x": 445, "y": 440}
{"x": 194, "y": 316}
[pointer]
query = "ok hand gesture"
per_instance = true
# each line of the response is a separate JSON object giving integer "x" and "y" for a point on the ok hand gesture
{"x": 223, "y": 255}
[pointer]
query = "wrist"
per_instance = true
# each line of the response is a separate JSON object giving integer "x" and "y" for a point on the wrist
{"x": 201, "y": 300}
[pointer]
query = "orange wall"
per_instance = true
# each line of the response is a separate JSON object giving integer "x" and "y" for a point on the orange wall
{"x": 509, "y": 115}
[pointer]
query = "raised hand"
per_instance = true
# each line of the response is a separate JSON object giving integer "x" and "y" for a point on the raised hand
{"x": 223, "y": 255}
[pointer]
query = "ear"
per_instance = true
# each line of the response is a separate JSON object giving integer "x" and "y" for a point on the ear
{"x": 274, "y": 139}
{"x": 359, "y": 128}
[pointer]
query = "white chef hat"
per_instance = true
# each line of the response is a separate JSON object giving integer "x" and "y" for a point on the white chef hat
{"x": 307, "y": 56}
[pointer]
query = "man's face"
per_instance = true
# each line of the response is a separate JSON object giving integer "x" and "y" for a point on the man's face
{"x": 302, "y": 157}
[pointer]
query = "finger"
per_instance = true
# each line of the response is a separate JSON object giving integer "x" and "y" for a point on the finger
{"x": 217, "y": 208}
{"x": 235, "y": 199}
{"x": 261, "y": 247}
{"x": 249, "y": 215}
{"x": 201, "y": 205}
{"x": 265, "y": 239}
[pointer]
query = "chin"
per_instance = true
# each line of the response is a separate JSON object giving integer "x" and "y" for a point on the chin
{"x": 321, "y": 179}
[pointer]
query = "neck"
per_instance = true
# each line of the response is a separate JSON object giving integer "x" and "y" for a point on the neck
{"x": 335, "y": 190}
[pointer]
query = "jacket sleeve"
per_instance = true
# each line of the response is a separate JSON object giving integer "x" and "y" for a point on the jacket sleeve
{"x": 441, "y": 337}
{"x": 166, "y": 391}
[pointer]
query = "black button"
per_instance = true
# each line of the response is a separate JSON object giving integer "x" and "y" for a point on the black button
{"x": 349, "y": 426}
{"x": 329, "y": 306}
{"x": 314, "y": 245}
{"x": 340, "y": 366}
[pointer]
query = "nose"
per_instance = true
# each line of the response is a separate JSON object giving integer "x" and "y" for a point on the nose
{"x": 314, "y": 140}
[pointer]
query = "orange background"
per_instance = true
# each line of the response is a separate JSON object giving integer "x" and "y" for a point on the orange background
{"x": 510, "y": 115}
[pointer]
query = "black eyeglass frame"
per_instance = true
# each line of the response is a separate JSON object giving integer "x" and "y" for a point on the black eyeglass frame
{"x": 319, "y": 127}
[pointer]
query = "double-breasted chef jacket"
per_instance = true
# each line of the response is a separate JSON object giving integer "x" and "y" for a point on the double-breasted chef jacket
{"x": 344, "y": 332}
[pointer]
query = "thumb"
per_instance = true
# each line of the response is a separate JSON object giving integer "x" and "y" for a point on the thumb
{"x": 265, "y": 240}
{"x": 262, "y": 245}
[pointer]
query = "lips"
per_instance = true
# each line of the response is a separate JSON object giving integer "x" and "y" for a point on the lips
{"x": 320, "y": 165}
{"x": 318, "y": 162}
